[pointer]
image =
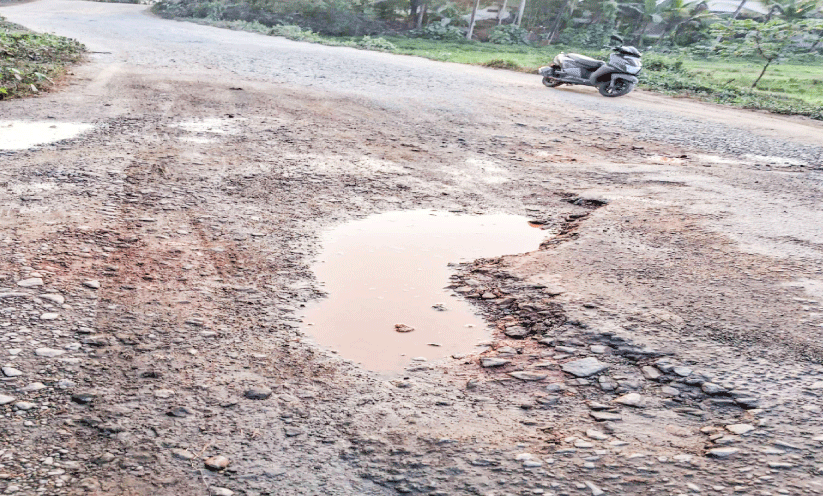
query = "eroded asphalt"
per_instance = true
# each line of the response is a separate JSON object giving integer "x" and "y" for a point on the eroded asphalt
{"x": 153, "y": 270}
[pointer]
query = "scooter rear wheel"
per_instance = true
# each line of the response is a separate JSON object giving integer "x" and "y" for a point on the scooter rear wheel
{"x": 620, "y": 88}
{"x": 551, "y": 82}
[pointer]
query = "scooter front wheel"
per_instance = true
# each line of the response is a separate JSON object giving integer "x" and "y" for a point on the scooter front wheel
{"x": 551, "y": 82}
{"x": 621, "y": 87}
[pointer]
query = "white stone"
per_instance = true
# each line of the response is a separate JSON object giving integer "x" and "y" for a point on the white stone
{"x": 11, "y": 372}
{"x": 49, "y": 316}
{"x": 54, "y": 298}
{"x": 48, "y": 352}
{"x": 595, "y": 434}
{"x": 630, "y": 399}
{"x": 585, "y": 367}
{"x": 5, "y": 400}
{"x": 30, "y": 282}
{"x": 24, "y": 405}
{"x": 740, "y": 428}
{"x": 93, "y": 284}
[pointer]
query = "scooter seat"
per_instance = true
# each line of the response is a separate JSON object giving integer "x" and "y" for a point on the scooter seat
{"x": 586, "y": 61}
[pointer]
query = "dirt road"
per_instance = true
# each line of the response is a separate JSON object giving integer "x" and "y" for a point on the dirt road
{"x": 153, "y": 272}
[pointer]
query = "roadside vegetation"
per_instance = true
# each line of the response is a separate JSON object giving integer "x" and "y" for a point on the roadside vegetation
{"x": 764, "y": 55}
{"x": 30, "y": 62}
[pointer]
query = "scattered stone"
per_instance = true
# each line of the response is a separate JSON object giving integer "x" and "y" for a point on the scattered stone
{"x": 749, "y": 403}
{"x": 650, "y": 373}
{"x": 11, "y": 372}
{"x": 722, "y": 452}
{"x": 630, "y": 399}
{"x": 488, "y": 295}
{"x": 258, "y": 393}
{"x": 163, "y": 393}
{"x": 528, "y": 376}
{"x": 493, "y": 362}
{"x": 34, "y": 386}
{"x": 516, "y": 332}
{"x": 780, "y": 465}
{"x": 602, "y": 416}
{"x": 24, "y": 406}
{"x": 182, "y": 454}
{"x": 740, "y": 429}
{"x": 682, "y": 371}
{"x": 216, "y": 463}
{"x": 598, "y": 349}
{"x": 713, "y": 389}
{"x": 50, "y": 316}
{"x": 220, "y": 491}
{"x": 102, "y": 459}
{"x": 98, "y": 340}
{"x": 292, "y": 431}
{"x": 596, "y": 491}
{"x": 30, "y": 282}
{"x": 5, "y": 399}
{"x": 179, "y": 411}
{"x": 48, "y": 352}
{"x": 596, "y": 435}
{"x": 403, "y": 328}
{"x": 54, "y": 298}
{"x": 93, "y": 284}
{"x": 585, "y": 367}
{"x": 670, "y": 391}
{"x": 440, "y": 307}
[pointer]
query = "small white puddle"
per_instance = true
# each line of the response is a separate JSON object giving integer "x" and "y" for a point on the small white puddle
{"x": 391, "y": 269}
{"x": 20, "y": 135}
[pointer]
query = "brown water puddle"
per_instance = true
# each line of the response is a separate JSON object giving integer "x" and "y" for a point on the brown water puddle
{"x": 20, "y": 135}
{"x": 392, "y": 268}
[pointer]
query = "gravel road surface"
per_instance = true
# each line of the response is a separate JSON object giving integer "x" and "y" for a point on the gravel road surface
{"x": 665, "y": 338}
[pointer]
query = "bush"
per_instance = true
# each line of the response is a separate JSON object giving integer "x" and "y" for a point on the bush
{"x": 503, "y": 64}
{"x": 379, "y": 44}
{"x": 509, "y": 34}
{"x": 437, "y": 31}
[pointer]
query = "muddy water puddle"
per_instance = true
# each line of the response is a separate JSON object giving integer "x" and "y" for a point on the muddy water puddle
{"x": 391, "y": 269}
{"x": 20, "y": 135}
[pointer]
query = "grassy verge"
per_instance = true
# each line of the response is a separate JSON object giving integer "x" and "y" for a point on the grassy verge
{"x": 30, "y": 62}
{"x": 792, "y": 89}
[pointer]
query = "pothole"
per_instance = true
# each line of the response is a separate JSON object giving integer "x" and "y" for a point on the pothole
{"x": 21, "y": 135}
{"x": 392, "y": 269}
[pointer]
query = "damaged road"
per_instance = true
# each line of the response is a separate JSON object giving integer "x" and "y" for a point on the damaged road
{"x": 154, "y": 270}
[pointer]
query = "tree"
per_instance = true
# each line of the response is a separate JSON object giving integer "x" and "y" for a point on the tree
{"x": 471, "y": 22}
{"x": 769, "y": 41}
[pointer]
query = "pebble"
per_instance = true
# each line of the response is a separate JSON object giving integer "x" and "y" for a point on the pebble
{"x": 682, "y": 371}
{"x": 403, "y": 328}
{"x": 24, "y": 406}
{"x": 220, "y": 491}
{"x": 182, "y": 454}
{"x": 722, "y": 452}
{"x": 528, "y": 376}
{"x": 49, "y": 316}
{"x": 11, "y": 372}
{"x": 631, "y": 399}
{"x": 598, "y": 349}
{"x": 54, "y": 298}
{"x": 516, "y": 332}
{"x": 605, "y": 416}
{"x": 5, "y": 399}
{"x": 596, "y": 491}
{"x": 585, "y": 367}
{"x": 713, "y": 389}
{"x": 258, "y": 393}
{"x": 780, "y": 465}
{"x": 597, "y": 435}
{"x": 93, "y": 284}
{"x": 493, "y": 362}
{"x": 216, "y": 463}
{"x": 740, "y": 428}
{"x": 48, "y": 352}
{"x": 30, "y": 282}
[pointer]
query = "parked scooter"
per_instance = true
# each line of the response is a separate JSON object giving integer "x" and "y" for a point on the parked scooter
{"x": 615, "y": 78}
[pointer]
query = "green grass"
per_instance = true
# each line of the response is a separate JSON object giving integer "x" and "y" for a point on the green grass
{"x": 30, "y": 62}
{"x": 803, "y": 81}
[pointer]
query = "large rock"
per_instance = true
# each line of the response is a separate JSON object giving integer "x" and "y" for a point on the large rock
{"x": 585, "y": 367}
